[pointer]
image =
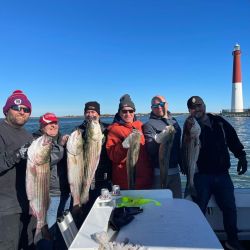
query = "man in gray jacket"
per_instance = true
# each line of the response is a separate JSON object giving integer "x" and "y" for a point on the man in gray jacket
{"x": 155, "y": 130}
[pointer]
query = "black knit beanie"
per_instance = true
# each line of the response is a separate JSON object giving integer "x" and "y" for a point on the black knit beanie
{"x": 92, "y": 106}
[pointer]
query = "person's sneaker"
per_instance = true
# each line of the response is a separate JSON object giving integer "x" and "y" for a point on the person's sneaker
{"x": 233, "y": 245}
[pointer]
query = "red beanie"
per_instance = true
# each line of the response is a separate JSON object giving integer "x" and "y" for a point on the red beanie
{"x": 48, "y": 118}
{"x": 17, "y": 98}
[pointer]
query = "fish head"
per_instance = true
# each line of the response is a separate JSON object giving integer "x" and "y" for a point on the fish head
{"x": 75, "y": 142}
{"x": 93, "y": 130}
{"x": 192, "y": 127}
{"x": 40, "y": 149}
{"x": 196, "y": 129}
{"x": 136, "y": 135}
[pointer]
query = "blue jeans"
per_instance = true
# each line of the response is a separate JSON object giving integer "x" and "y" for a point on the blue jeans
{"x": 221, "y": 186}
{"x": 56, "y": 207}
{"x": 58, "y": 204}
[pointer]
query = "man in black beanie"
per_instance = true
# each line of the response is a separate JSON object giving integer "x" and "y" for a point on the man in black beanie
{"x": 94, "y": 106}
{"x": 102, "y": 177}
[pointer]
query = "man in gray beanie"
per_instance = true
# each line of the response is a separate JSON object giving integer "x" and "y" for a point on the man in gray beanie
{"x": 120, "y": 136}
{"x": 125, "y": 101}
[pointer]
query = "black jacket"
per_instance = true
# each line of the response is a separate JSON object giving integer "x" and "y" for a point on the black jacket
{"x": 214, "y": 156}
{"x": 13, "y": 198}
{"x": 58, "y": 167}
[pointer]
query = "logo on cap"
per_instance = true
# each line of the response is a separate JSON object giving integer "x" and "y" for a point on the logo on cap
{"x": 193, "y": 100}
{"x": 91, "y": 107}
{"x": 17, "y": 101}
{"x": 45, "y": 120}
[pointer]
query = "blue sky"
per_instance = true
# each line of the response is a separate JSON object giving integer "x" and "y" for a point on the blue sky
{"x": 65, "y": 53}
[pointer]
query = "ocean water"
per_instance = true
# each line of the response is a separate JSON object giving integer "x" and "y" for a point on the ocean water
{"x": 241, "y": 125}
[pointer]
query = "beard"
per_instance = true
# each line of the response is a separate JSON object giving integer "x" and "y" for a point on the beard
{"x": 17, "y": 120}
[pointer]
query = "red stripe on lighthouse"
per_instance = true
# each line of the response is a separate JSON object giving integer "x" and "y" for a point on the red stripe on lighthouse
{"x": 236, "y": 66}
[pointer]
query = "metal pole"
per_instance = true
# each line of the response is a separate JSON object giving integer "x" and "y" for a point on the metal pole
{"x": 70, "y": 222}
{"x": 65, "y": 231}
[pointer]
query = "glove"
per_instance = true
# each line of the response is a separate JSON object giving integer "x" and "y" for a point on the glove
{"x": 242, "y": 165}
{"x": 159, "y": 137}
{"x": 126, "y": 143}
{"x": 21, "y": 153}
{"x": 119, "y": 218}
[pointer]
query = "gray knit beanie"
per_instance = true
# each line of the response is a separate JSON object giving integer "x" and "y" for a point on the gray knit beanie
{"x": 125, "y": 101}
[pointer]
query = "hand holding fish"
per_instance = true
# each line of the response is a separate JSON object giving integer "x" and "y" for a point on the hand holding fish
{"x": 22, "y": 151}
{"x": 160, "y": 137}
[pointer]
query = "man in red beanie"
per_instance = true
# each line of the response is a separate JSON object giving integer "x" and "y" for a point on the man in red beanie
{"x": 14, "y": 142}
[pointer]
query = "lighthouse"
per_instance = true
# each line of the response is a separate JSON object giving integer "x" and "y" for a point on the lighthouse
{"x": 237, "y": 98}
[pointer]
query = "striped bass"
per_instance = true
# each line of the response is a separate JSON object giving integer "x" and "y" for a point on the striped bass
{"x": 92, "y": 152}
{"x": 190, "y": 152}
{"x": 75, "y": 163}
{"x": 38, "y": 178}
{"x": 164, "y": 155}
{"x": 132, "y": 158}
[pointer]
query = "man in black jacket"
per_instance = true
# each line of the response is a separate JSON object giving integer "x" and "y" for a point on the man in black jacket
{"x": 102, "y": 177}
{"x": 217, "y": 136}
{"x": 14, "y": 142}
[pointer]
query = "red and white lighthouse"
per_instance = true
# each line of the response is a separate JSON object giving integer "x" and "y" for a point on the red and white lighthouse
{"x": 237, "y": 98}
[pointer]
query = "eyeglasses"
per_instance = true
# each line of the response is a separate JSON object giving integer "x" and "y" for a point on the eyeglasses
{"x": 125, "y": 111}
{"x": 157, "y": 105}
{"x": 19, "y": 108}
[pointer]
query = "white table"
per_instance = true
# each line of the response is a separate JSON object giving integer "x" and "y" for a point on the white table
{"x": 176, "y": 224}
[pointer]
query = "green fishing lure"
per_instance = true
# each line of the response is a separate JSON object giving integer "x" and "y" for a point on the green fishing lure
{"x": 129, "y": 201}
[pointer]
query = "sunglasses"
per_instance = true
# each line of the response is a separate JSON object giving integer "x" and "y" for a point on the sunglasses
{"x": 19, "y": 108}
{"x": 125, "y": 111}
{"x": 157, "y": 105}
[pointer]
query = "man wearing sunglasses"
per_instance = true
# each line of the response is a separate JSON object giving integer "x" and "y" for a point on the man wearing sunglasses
{"x": 120, "y": 134}
{"x": 14, "y": 142}
{"x": 155, "y": 130}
